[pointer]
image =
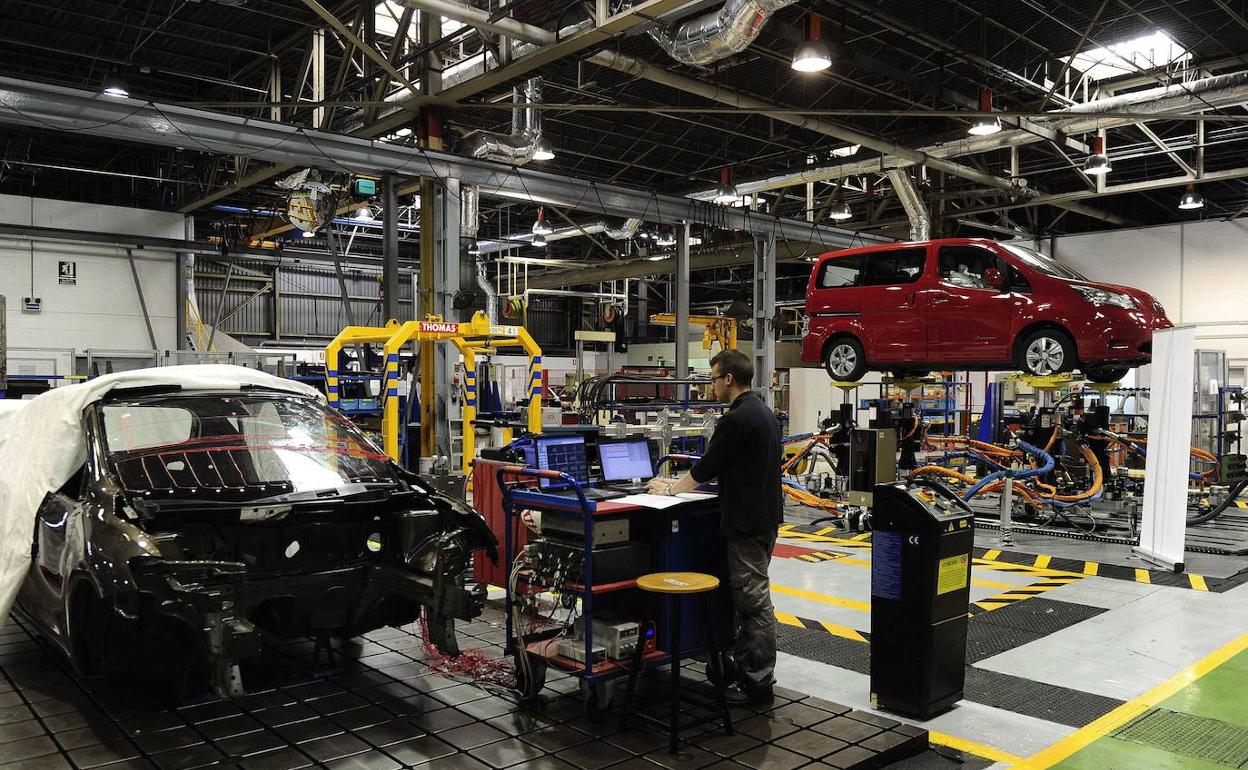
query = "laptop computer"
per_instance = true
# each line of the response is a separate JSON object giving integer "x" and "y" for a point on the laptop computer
{"x": 566, "y": 454}
{"x": 626, "y": 464}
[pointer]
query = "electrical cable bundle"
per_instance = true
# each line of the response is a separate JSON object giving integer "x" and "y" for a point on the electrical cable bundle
{"x": 794, "y": 490}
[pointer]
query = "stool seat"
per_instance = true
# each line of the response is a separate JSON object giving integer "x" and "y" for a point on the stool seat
{"x": 677, "y": 583}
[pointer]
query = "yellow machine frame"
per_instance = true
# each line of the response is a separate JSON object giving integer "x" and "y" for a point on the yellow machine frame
{"x": 718, "y": 328}
{"x": 468, "y": 338}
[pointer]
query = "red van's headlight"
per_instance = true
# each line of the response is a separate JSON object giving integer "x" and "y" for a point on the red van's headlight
{"x": 1104, "y": 297}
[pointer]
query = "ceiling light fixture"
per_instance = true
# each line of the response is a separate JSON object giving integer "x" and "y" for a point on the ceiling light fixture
{"x": 308, "y": 234}
{"x": 812, "y": 55}
{"x": 363, "y": 214}
{"x": 539, "y": 240}
{"x": 666, "y": 238}
{"x": 114, "y": 86}
{"x": 474, "y": 249}
{"x": 726, "y": 193}
{"x": 840, "y": 210}
{"x": 1098, "y": 162}
{"x": 543, "y": 150}
{"x": 541, "y": 226}
{"x": 985, "y": 124}
{"x": 1191, "y": 200}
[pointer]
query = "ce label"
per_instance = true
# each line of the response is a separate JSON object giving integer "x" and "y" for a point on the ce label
{"x": 914, "y": 540}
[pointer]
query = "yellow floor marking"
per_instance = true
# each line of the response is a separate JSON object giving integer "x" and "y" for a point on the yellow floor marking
{"x": 974, "y": 581}
{"x": 1042, "y": 561}
{"x": 826, "y": 530}
{"x": 1141, "y": 576}
{"x": 978, "y": 749}
{"x": 836, "y": 601}
{"x": 1132, "y": 708}
{"x": 992, "y": 555}
{"x": 1090, "y": 568}
{"x": 991, "y": 584}
{"x": 863, "y": 536}
{"x": 1198, "y": 582}
{"x": 1005, "y": 566}
{"x": 845, "y": 632}
{"x": 788, "y": 620}
{"x": 988, "y": 605}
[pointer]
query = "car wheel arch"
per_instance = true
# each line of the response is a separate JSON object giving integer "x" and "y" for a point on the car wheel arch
{"x": 1017, "y": 347}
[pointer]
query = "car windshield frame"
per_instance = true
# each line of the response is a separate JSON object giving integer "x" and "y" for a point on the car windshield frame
{"x": 1044, "y": 264}
{"x": 253, "y": 446}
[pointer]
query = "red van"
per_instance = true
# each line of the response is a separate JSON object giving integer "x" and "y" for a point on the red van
{"x": 971, "y": 303}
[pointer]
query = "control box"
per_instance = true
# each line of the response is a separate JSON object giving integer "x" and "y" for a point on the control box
{"x": 606, "y": 532}
{"x": 920, "y": 594}
{"x": 872, "y": 460}
{"x": 617, "y": 637}
{"x": 570, "y": 648}
{"x": 612, "y": 563}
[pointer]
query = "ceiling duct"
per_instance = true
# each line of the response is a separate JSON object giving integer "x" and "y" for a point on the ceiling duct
{"x": 516, "y": 148}
{"x": 718, "y": 34}
{"x": 516, "y": 240}
{"x": 903, "y": 185}
{"x": 469, "y": 210}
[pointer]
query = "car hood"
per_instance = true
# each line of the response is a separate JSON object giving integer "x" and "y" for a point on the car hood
{"x": 1143, "y": 299}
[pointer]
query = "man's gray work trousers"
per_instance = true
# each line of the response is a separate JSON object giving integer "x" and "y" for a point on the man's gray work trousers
{"x": 754, "y": 651}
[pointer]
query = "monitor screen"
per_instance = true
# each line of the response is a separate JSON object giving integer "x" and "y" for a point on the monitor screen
{"x": 562, "y": 453}
{"x": 625, "y": 460}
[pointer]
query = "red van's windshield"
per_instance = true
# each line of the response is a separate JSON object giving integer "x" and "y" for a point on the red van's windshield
{"x": 1046, "y": 265}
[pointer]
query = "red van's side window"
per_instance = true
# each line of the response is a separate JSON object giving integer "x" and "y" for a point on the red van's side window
{"x": 887, "y": 268}
{"x": 845, "y": 271}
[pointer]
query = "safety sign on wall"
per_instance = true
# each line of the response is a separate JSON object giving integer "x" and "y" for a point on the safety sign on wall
{"x": 67, "y": 273}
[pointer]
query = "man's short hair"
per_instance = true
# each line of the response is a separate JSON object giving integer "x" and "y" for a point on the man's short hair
{"x": 737, "y": 364}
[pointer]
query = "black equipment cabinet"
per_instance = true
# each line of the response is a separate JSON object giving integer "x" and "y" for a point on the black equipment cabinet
{"x": 920, "y": 593}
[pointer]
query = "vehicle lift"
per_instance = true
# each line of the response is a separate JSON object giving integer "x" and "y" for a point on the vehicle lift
{"x": 469, "y": 338}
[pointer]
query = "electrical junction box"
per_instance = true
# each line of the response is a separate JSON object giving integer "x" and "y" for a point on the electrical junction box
{"x": 363, "y": 188}
{"x": 32, "y": 304}
{"x": 573, "y": 528}
{"x": 617, "y": 637}
{"x": 570, "y": 648}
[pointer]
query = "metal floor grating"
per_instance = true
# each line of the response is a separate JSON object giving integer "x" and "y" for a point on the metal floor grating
{"x": 1051, "y": 703}
{"x": 382, "y": 708}
{"x": 1014, "y": 625}
{"x": 1193, "y": 736}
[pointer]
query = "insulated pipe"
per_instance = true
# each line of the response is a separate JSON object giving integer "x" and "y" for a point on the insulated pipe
{"x": 718, "y": 34}
{"x": 491, "y": 295}
{"x": 469, "y": 210}
{"x": 916, "y": 210}
{"x": 517, "y": 240}
{"x": 518, "y": 147}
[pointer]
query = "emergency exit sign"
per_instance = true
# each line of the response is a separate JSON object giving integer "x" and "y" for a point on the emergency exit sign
{"x": 67, "y": 273}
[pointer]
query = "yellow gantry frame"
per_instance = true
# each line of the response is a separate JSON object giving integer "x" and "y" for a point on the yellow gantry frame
{"x": 468, "y": 338}
{"x": 718, "y": 328}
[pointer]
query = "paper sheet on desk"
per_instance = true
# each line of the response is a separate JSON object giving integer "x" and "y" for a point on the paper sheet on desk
{"x": 659, "y": 502}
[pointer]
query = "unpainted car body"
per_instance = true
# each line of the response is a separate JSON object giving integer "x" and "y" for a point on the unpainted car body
{"x": 201, "y": 519}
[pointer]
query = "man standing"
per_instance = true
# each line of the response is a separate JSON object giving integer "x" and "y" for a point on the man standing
{"x": 744, "y": 455}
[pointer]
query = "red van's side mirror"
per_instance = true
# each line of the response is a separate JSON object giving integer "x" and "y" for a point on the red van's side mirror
{"x": 993, "y": 278}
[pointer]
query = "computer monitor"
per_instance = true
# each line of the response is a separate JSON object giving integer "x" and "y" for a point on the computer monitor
{"x": 625, "y": 460}
{"x": 561, "y": 453}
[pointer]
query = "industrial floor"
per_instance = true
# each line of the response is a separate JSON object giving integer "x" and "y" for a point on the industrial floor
{"x": 1079, "y": 655}
{"x": 1077, "y": 658}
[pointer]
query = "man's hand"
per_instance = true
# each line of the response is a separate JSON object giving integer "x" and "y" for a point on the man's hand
{"x": 659, "y": 486}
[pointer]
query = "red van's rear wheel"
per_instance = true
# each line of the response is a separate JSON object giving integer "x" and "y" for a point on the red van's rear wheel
{"x": 845, "y": 360}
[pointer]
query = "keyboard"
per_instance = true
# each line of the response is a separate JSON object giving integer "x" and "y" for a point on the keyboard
{"x": 591, "y": 493}
{"x": 630, "y": 489}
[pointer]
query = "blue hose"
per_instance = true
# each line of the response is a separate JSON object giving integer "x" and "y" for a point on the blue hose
{"x": 1046, "y": 467}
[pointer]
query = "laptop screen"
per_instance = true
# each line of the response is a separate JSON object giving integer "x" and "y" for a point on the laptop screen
{"x": 562, "y": 453}
{"x": 625, "y": 460}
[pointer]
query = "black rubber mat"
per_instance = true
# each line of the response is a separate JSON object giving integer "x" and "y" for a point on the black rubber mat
{"x": 1014, "y": 625}
{"x": 942, "y": 759}
{"x": 985, "y": 639}
{"x": 1203, "y": 738}
{"x": 1036, "y": 699}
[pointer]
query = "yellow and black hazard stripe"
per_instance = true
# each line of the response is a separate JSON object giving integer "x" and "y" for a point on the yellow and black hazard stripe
{"x": 1014, "y": 561}
{"x": 818, "y": 556}
{"x": 1238, "y": 503}
{"x": 1022, "y": 593}
{"x": 845, "y": 632}
{"x": 821, "y": 535}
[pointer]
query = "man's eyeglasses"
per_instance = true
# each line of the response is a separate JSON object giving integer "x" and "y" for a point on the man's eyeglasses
{"x": 718, "y": 377}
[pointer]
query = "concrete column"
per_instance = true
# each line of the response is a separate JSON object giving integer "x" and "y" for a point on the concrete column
{"x": 764, "y": 308}
{"x": 389, "y": 250}
{"x": 681, "y": 284}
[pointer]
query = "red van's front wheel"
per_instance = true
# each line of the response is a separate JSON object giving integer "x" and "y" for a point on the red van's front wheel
{"x": 845, "y": 360}
{"x": 1045, "y": 352}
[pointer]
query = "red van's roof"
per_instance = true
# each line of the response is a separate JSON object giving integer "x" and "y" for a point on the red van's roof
{"x": 903, "y": 244}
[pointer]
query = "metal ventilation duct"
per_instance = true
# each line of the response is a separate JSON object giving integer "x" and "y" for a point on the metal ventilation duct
{"x": 469, "y": 210}
{"x": 516, "y": 240}
{"x": 491, "y": 296}
{"x": 718, "y": 34}
{"x": 903, "y": 185}
{"x": 516, "y": 148}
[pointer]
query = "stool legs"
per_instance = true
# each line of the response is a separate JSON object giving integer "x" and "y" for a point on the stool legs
{"x": 715, "y": 659}
{"x": 674, "y": 727}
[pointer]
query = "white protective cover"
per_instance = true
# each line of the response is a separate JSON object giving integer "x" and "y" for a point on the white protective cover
{"x": 42, "y": 444}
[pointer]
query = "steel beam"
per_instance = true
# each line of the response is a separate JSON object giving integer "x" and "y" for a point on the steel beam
{"x": 58, "y": 108}
{"x": 764, "y": 308}
{"x": 390, "y": 250}
{"x": 681, "y": 330}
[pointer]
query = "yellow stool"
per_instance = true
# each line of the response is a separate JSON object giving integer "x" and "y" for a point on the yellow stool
{"x": 676, "y": 585}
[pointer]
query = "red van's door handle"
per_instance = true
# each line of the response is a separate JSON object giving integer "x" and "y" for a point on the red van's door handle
{"x": 940, "y": 298}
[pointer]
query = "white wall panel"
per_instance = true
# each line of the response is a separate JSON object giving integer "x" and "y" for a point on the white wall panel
{"x": 102, "y": 309}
